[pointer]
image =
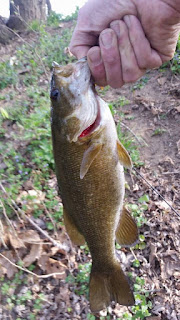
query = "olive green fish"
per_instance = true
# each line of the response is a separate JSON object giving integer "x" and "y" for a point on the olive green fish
{"x": 89, "y": 162}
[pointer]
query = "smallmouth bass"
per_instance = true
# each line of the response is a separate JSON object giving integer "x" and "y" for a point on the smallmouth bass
{"x": 89, "y": 162}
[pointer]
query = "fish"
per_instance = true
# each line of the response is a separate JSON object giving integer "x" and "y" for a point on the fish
{"x": 89, "y": 164}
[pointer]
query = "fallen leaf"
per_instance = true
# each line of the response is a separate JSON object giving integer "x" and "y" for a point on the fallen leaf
{"x": 15, "y": 241}
{"x": 35, "y": 253}
{"x": 162, "y": 80}
{"x": 49, "y": 265}
{"x": 29, "y": 236}
{"x": 178, "y": 109}
{"x": 5, "y": 266}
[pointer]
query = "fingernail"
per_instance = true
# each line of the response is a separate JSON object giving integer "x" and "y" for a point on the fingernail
{"x": 95, "y": 57}
{"x": 106, "y": 39}
{"x": 115, "y": 26}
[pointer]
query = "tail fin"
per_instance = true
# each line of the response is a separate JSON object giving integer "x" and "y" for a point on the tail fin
{"x": 107, "y": 287}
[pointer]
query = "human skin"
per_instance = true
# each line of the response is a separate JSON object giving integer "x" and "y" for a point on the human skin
{"x": 123, "y": 38}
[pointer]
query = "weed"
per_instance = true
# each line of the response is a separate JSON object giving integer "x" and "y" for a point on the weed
{"x": 138, "y": 210}
{"x": 54, "y": 19}
{"x": 174, "y": 63}
{"x": 140, "y": 83}
{"x": 129, "y": 144}
{"x": 8, "y": 75}
{"x": 158, "y": 131}
{"x": 34, "y": 25}
{"x": 81, "y": 279}
{"x": 4, "y": 113}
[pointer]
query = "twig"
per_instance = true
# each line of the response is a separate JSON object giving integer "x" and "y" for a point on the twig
{"x": 138, "y": 140}
{"x": 1, "y": 235}
{"x": 41, "y": 62}
{"x": 155, "y": 190}
{"x": 173, "y": 172}
{"x": 52, "y": 220}
{"x": 43, "y": 276}
{"x": 133, "y": 254}
{"x": 45, "y": 234}
{"x": 9, "y": 221}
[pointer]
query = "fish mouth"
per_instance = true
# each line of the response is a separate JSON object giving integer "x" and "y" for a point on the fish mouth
{"x": 92, "y": 128}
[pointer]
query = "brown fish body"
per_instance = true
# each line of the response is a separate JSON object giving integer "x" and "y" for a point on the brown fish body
{"x": 91, "y": 181}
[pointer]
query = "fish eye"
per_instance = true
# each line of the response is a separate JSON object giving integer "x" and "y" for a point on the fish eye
{"x": 54, "y": 94}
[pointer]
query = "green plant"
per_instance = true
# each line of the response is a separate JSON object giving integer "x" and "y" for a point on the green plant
{"x": 35, "y": 25}
{"x": 174, "y": 63}
{"x": 8, "y": 74}
{"x": 81, "y": 279}
{"x": 140, "y": 83}
{"x": 138, "y": 210}
{"x": 54, "y": 19}
{"x": 129, "y": 144}
{"x": 158, "y": 131}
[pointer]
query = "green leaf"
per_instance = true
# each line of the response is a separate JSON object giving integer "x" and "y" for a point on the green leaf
{"x": 144, "y": 198}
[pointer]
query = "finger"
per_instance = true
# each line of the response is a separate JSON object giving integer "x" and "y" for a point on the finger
{"x": 96, "y": 66}
{"x": 130, "y": 69}
{"x": 111, "y": 58}
{"x": 147, "y": 58}
{"x": 81, "y": 42}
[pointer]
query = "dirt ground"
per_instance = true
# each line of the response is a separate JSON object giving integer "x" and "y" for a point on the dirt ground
{"x": 152, "y": 118}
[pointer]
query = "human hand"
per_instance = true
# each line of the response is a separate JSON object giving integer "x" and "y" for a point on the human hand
{"x": 130, "y": 52}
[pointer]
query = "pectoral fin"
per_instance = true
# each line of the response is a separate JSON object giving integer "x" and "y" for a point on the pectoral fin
{"x": 124, "y": 157}
{"x": 89, "y": 155}
{"x": 127, "y": 231}
{"x": 74, "y": 234}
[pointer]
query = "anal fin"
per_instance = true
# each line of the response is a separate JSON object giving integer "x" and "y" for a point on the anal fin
{"x": 74, "y": 234}
{"x": 127, "y": 231}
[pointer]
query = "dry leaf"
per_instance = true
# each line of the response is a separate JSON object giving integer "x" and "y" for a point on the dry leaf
{"x": 29, "y": 236}
{"x": 43, "y": 261}
{"x": 5, "y": 266}
{"x": 15, "y": 241}
{"x": 163, "y": 205}
{"x": 49, "y": 265}
{"x": 162, "y": 80}
{"x": 35, "y": 253}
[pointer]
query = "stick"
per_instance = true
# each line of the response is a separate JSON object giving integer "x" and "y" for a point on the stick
{"x": 154, "y": 189}
{"x": 138, "y": 140}
{"x": 43, "y": 276}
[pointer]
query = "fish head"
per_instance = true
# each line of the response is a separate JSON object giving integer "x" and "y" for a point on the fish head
{"x": 73, "y": 98}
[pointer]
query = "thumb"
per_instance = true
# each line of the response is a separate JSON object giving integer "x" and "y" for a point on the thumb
{"x": 81, "y": 42}
{"x": 79, "y": 51}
